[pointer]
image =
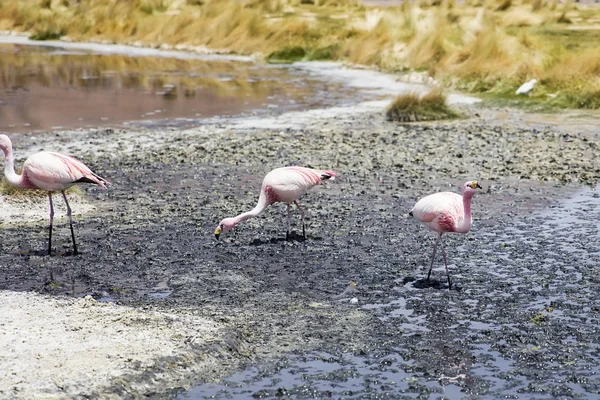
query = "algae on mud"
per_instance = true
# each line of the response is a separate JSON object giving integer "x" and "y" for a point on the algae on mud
{"x": 152, "y": 234}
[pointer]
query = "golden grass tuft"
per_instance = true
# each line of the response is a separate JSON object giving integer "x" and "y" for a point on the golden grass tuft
{"x": 413, "y": 107}
{"x": 574, "y": 78}
{"x": 19, "y": 193}
{"x": 483, "y": 56}
{"x": 431, "y": 42}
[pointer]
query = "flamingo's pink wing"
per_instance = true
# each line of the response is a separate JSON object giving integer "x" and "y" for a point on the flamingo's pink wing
{"x": 434, "y": 205}
{"x": 55, "y": 171}
{"x": 289, "y": 183}
{"x": 301, "y": 176}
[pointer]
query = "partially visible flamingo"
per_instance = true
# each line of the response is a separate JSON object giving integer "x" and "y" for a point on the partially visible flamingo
{"x": 51, "y": 172}
{"x": 284, "y": 185}
{"x": 446, "y": 212}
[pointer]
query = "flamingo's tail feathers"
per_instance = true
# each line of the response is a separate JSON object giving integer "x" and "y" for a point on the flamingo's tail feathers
{"x": 95, "y": 179}
{"x": 410, "y": 213}
{"x": 103, "y": 183}
{"x": 325, "y": 175}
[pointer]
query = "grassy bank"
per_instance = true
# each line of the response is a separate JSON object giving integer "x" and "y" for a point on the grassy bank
{"x": 480, "y": 47}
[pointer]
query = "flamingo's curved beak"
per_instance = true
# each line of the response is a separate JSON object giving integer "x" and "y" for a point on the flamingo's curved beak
{"x": 218, "y": 232}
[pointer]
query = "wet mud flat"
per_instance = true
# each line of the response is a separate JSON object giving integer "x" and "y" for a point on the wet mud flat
{"x": 523, "y": 321}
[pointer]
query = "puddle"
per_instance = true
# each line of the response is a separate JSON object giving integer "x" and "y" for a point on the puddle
{"x": 393, "y": 309}
{"x": 160, "y": 295}
{"x": 58, "y": 86}
{"x": 315, "y": 375}
{"x": 106, "y": 298}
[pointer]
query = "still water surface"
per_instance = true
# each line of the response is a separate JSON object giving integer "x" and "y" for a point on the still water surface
{"x": 44, "y": 88}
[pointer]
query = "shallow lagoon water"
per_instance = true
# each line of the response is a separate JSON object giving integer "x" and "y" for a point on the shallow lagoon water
{"x": 49, "y": 87}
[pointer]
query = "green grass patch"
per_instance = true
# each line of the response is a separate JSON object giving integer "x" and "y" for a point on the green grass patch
{"x": 545, "y": 97}
{"x": 48, "y": 34}
{"x": 151, "y": 6}
{"x": 323, "y": 53}
{"x": 585, "y": 100}
{"x": 530, "y": 104}
{"x": 287, "y": 55}
{"x": 569, "y": 39}
{"x": 412, "y": 107}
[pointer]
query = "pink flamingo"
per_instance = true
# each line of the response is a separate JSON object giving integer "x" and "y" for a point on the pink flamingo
{"x": 284, "y": 185}
{"x": 51, "y": 172}
{"x": 446, "y": 212}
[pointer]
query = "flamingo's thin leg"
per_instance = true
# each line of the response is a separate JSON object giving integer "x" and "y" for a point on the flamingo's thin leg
{"x": 289, "y": 222}
{"x": 70, "y": 222}
{"x": 50, "y": 227}
{"x": 433, "y": 256}
{"x": 446, "y": 264}
{"x": 302, "y": 214}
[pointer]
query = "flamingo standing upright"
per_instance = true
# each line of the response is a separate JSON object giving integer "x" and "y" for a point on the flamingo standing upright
{"x": 284, "y": 185}
{"x": 51, "y": 172}
{"x": 446, "y": 212}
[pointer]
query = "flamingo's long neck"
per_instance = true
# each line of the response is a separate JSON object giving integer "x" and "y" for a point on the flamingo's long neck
{"x": 260, "y": 207}
{"x": 9, "y": 169}
{"x": 465, "y": 225}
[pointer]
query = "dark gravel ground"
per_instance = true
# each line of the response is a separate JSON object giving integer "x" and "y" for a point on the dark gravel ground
{"x": 523, "y": 321}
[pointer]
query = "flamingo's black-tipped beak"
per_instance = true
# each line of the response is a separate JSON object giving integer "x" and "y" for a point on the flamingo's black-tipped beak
{"x": 218, "y": 232}
{"x": 475, "y": 185}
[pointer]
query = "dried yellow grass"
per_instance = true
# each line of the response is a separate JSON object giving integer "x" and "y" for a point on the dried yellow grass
{"x": 414, "y": 107}
{"x": 15, "y": 192}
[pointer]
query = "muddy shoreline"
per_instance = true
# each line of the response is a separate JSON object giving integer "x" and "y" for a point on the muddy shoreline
{"x": 149, "y": 245}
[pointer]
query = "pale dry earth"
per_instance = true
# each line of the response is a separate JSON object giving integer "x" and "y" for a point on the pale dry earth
{"x": 71, "y": 348}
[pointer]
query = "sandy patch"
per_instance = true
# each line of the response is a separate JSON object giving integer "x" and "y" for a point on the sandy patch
{"x": 63, "y": 348}
{"x": 29, "y": 209}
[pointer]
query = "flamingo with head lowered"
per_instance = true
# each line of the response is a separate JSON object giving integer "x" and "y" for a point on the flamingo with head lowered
{"x": 51, "y": 172}
{"x": 446, "y": 212}
{"x": 283, "y": 185}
